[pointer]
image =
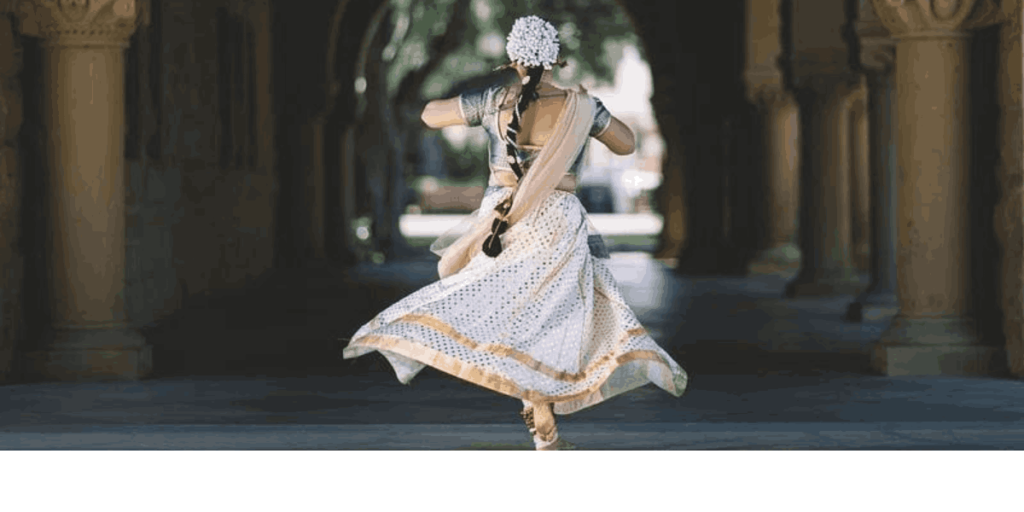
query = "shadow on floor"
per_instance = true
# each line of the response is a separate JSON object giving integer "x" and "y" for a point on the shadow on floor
{"x": 291, "y": 324}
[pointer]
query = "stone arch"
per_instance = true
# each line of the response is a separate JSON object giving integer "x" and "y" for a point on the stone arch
{"x": 308, "y": 85}
{"x": 650, "y": 24}
{"x": 346, "y": 58}
{"x": 366, "y": 15}
{"x": 674, "y": 66}
{"x": 696, "y": 58}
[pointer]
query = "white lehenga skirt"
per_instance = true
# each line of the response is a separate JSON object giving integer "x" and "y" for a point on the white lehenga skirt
{"x": 544, "y": 321}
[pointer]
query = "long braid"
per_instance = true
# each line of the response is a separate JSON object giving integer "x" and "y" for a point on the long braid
{"x": 492, "y": 245}
{"x": 527, "y": 96}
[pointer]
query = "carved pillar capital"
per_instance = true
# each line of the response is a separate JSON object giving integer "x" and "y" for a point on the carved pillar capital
{"x": 818, "y": 43}
{"x": 763, "y": 43}
{"x": 926, "y": 19}
{"x": 878, "y": 55}
{"x": 763, "y": 81}
{"x": 857, "y": 93}
{"x": 79, "y": 23}
{"x": 1011, "y": 29}
{"x": 1011, "y": 15}
{"x": 764, "y": 47}
{"x": 838, "y": 89}
{"x": 1010, "y": 50}
{"x": 771, "y": 97}
{"x": 877, "y": 47}
{"x": 857, "y": 104}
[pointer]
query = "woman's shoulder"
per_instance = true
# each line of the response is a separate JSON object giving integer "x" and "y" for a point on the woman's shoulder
{"x": 481, "y": 102}
{"x": 581, "y": 90}
{"x": 600, "y": 111}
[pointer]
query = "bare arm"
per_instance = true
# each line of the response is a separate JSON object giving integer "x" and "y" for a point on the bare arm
{"x": 442, "y": 113}
{"x": 618, "y": 137}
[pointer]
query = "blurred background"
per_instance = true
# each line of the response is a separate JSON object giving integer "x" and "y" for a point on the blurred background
{"x": 441, "y": 49}
{"x": 250, "y": 180}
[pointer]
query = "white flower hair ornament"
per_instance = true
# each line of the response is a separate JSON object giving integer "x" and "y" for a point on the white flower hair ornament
{"x": 533, "y": 42}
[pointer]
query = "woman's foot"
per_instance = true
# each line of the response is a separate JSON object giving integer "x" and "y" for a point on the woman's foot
{"x": 545, "y": 431}
{"x": 557, "y": 445}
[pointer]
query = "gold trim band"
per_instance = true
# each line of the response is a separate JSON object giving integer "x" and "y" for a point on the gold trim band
{"x": 494, "y": 382}
{"x": 505, "y": 351}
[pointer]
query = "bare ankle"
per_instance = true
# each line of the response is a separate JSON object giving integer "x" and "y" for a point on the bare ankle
{"x": 544, "y": 422}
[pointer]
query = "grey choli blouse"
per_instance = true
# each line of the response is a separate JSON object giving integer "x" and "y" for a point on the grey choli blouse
{"x": 480, "y": 108}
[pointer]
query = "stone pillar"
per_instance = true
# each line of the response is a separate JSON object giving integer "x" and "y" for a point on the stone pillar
{"x": 780, "y": 121}
{"x": 931, "y": 334}
{"x": 826, "y": 85}
{"x": 1009, "y": 215}
{"x": 859, "y": 177}
{"x": 780, "y": 116}
{"x": 826, "y": 245}
{"x": 669, "y": 196}
{"x": 709, "y": 156}
{"x": 83, "y": 108}
{"x": 878, "y": 52}
{"x": 12, "y": 185}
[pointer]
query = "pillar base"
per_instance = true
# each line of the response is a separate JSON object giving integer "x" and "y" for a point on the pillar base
{"x": 823, "y": 287}
{"x": 777, "y": 259}
{"x": 711, "y": 261}
{"x": 872, "y": 306}
{"x": 92, "y": 354}
{"x": 934, "y": 346}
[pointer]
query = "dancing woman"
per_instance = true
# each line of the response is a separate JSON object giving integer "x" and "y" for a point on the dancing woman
{"x": 525, "y": 305}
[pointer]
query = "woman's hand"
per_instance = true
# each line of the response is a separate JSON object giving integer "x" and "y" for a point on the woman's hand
{"x": 442, "y": 113}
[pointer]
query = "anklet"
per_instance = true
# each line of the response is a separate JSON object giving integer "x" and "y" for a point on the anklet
{"x": 527, "y": 415}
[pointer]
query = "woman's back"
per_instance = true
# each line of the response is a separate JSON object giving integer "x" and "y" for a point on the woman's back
{"x": 539, "y": 120}
{"x": 492, "y": 109}
{"x": 478, "y": 107}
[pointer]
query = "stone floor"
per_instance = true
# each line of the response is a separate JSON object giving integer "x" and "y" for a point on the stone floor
{"x": 260, "y": 370}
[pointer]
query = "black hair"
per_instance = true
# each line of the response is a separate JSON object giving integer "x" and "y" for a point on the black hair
{"x": 492, "y": 245}
{"x": 526, "y": 96}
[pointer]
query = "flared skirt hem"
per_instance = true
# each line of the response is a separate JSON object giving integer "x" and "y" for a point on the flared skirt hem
{"x": 628, "y": 371}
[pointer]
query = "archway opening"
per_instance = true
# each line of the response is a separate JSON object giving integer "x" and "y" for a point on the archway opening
{"x": 425, "y": 181}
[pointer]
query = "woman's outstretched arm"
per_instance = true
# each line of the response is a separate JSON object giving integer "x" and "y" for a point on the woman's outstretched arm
{"x": 441, "y": 113}
{"x": 618, "y": 137}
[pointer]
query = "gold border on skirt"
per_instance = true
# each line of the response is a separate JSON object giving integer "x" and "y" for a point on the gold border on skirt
{"x": 522, "y": 357}
{"x": 493, "y": 381}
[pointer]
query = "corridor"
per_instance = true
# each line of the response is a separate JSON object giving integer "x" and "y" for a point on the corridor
{"x": 767, "y": 373}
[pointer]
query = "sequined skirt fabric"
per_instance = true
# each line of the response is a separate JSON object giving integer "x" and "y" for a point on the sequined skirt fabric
{"x": 543, "y": 321}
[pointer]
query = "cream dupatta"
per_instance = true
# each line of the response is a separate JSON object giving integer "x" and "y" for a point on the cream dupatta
{"x": 559, "y": 153}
